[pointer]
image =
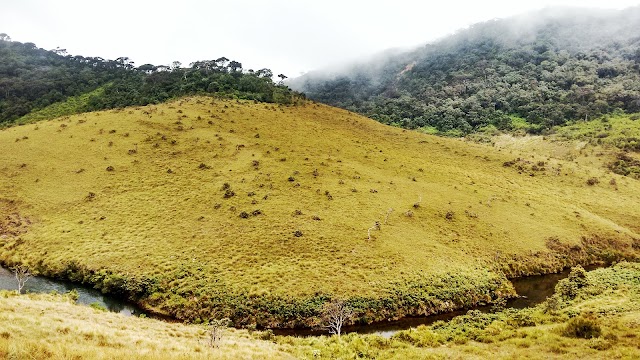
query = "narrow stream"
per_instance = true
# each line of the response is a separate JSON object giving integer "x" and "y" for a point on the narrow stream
{"x": 532, "y": 290}
{"x": 86, "y": 295}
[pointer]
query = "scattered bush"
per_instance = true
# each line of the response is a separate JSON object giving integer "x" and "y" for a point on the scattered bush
{"x": 592, "y": 181}
{"x": 449, "y": 215}
{"x": 98, "y": 306}
{"x": 583, "y": 327}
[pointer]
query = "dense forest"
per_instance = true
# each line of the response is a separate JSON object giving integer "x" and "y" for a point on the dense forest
{"x": 533, "y": 72}
{"x": 32, "y": 78}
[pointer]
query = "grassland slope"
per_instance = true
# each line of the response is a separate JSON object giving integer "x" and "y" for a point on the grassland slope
{"x": 206, "y": 208}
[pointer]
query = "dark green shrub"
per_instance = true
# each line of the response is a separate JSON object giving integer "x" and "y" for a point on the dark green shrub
{"x": 583, "y": 327}
{"x": 577, "y": 279}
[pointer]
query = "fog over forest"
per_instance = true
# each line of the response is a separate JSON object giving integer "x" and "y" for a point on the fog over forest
{"x": 544, "y": 68}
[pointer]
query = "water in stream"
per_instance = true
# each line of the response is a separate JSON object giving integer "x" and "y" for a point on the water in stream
{"x": 86, "y": 295}
{"x": 532, "y": 290}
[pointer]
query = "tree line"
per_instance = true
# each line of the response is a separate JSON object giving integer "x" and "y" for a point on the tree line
{"x": 32, "y": 78}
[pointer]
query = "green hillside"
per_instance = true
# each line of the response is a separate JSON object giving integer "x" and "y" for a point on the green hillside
{"x": 206, "y": 208}
{"x": 546, "y": 67}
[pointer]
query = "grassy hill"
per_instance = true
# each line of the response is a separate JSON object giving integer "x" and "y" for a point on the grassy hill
{"x": 205, "y": 208}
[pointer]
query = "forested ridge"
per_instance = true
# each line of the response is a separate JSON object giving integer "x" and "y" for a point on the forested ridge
{"x": 532, "y": 71}
{"x": 32, "y": 78}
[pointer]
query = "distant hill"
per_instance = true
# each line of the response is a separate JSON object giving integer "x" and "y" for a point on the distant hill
{"x": 203, "y": 208}
{"x": 543, "y": 69}
{"x": 43, "y": 84}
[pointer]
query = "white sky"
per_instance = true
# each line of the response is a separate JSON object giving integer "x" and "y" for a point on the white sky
{"x": 287, "y": 36}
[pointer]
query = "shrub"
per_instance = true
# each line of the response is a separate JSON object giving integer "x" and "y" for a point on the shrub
{"x": 98, "y": 306}
{"x": 449, "y": 215}
{"x": 592, "y": 181}
{"x": 577, "y": 279}
{"x": 583, "y": 327}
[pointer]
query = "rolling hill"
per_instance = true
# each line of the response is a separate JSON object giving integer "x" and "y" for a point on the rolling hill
{"x": 204, "y": 208}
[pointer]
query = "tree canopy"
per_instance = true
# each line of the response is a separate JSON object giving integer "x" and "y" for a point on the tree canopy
{"x": 543, "y": 69}
{"x": 32, "y": 78}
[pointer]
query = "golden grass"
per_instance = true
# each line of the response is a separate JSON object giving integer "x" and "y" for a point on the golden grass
{"x": 50, "y": 327}
{"x": 161, "y": 212}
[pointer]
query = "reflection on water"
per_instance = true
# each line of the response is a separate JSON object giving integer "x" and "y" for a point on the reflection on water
{"x": 86, "y": 295}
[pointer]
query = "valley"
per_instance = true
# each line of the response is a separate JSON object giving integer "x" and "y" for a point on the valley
{"x": 204, "y": 208}
{"x": 470, "y": 197}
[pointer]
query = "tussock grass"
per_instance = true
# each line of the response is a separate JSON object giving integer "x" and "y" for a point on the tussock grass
{"x": 51, "y": 327}
{"x": 208, "y": 208}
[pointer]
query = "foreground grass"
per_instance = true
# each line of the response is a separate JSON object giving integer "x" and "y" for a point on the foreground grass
{"x": 51, "y": 327}
{"x": 205, "y": 208}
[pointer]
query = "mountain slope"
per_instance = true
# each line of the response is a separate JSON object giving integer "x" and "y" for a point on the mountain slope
{"x": 207, "y": 208}
{"x": 545, "y": 67}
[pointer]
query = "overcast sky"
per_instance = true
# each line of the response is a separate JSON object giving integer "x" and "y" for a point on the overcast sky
{"x": 287, "y": 36}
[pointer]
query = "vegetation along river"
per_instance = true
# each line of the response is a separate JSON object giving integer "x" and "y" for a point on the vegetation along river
{"x": 532, "y": 290}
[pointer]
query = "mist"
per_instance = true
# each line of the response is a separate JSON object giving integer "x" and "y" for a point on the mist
{"x": 584, "y": 28}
